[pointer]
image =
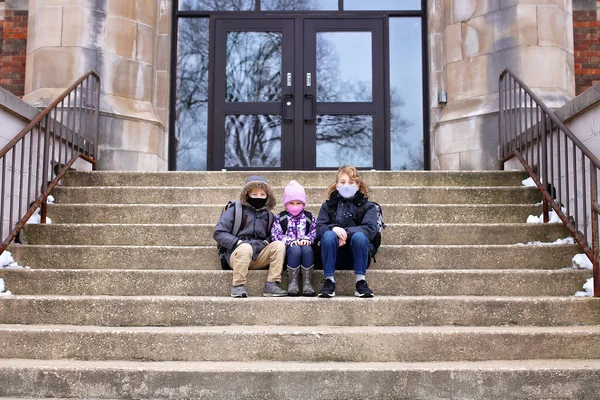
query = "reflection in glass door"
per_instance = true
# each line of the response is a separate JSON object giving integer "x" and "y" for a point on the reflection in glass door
{"x": 253, "y": 101}
{"x": 344, "y": 93}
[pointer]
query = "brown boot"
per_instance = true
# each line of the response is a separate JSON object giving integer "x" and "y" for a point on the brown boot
{"x": 307, "y": 280}
{"x": 293, "y": 281}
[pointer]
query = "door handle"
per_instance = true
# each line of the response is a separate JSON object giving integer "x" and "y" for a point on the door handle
{"x": 287, "y": 110}
{"x": 311, "y": 98}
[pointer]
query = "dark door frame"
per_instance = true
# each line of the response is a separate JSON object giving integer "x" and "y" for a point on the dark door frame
{"x": 422, "y": 14}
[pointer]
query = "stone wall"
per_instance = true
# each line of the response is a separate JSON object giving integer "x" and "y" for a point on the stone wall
{"x": 128, "y": 44}
{"x": 471, "y": 43}
{"x": 13, "y": 45}
{"x": 586, "y": 35}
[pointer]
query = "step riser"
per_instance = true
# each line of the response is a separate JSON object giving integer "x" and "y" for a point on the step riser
{"x": 188, "y": 283}
{"x": 380, "y": 311}
{"x": 311, "y": 346}
{"x": 188, "y": 235}
{"x": 207, "y": 214}
{"x": 395, "y": 195}
{"x": 306, "y": 178}
{"x": 401, "y": 383}
{"x": 409, "y": 257}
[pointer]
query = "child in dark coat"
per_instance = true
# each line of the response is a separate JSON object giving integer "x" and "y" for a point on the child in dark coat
{"x": 299, "y": 236}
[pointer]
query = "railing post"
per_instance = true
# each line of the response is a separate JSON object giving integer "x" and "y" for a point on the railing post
{"x": 501, "y": 122}
{"x": 594, "y": 218}
{"x": 96, "y": 123}
{"x": 45, "y": 170}
{"x": 543, "y": 174}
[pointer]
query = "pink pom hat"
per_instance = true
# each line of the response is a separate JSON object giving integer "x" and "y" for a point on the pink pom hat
{"x": 294, "y": 191}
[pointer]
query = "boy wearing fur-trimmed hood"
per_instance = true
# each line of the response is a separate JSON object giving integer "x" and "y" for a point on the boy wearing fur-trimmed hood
{"x": 252, "y": 247}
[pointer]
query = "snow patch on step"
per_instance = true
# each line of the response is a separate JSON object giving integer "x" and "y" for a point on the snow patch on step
{"x": 567, "y": 240}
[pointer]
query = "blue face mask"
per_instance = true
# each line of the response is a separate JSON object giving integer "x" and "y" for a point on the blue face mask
{"x": 347, "y": 191}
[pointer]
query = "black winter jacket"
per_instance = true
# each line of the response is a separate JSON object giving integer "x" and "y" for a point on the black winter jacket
{"x": 346, "y": 216}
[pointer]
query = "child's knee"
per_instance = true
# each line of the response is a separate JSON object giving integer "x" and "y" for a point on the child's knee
{"x": 293, "y": 250}
{"x": 359, "y": 238}
{"x": 243, "y": 250}
{"x": 329, "y": 236}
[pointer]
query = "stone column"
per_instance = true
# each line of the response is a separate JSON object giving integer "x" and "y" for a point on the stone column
{"x": 471, "y": 43}
{"x": 127, "y": 43}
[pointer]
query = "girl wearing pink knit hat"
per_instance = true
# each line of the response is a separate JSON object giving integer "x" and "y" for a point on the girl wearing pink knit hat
{"x": 297, "y": 228}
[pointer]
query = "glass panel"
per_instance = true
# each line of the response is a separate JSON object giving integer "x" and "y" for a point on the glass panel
{"x": 389, "y": 5}
{"x": 253, "y": 66}
{"x": 252, "y": 140}
{"x": 344, "y": 67}
{"x": 406, "y": 92}
{"x": 298, "y": 5}
{"x": 216, "y": 5}
{"x": 344, "y": 139}
{"x": 192, "y": 94}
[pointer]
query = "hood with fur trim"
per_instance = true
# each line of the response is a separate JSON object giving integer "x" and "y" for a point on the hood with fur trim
{"x": 261, "y": 183}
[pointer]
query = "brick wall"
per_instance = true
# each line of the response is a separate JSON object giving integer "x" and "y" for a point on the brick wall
{"x": 13, "y": 45}
{"x": 586, "y": 29}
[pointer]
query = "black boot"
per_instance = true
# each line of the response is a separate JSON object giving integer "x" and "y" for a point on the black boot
{"x": 293, "y": 281}
{"x": 307, "y": 280}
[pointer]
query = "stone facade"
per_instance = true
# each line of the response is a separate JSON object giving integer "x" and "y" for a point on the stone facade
{"x": 13, "y": 45}
{"x": 586, "y": 35}
{"x": 128, "y": 44}
{"x": 471, "y": 43}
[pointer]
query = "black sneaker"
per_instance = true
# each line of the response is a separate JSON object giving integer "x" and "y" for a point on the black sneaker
{"x": 328, "y": 289}
{"x": 362, "y": 289}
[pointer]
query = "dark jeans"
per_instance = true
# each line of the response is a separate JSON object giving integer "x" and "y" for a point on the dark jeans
{"x": 300, "y": 255}
{"x": 356, "y": 253}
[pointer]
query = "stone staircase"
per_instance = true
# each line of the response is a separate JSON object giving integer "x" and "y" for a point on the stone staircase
{"x": 125, "y": 299}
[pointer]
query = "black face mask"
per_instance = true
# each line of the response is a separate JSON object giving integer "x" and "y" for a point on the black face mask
{"x": 257, "y": 202}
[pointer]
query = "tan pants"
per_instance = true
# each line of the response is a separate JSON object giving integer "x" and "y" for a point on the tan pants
{"x": 272, "y": 255}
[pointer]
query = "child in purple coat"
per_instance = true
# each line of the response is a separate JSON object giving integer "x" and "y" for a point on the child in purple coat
{"x": 297, "y": 228}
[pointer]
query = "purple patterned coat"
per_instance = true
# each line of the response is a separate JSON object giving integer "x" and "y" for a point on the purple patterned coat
{"x": 296, "y": 229}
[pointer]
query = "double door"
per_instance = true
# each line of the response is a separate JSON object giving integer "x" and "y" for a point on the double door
{"x": 297, "y": 93}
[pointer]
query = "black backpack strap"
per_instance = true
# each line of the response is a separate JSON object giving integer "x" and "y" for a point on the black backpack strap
{"x": 270, "y": 225}
{"x": 308, "y": 217}
{"x": 237, "y": 217}
{"x": 283, "y": 220}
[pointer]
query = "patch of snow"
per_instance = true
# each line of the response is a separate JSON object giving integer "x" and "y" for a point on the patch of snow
{"x": 3, "y": 291}
{"x": 567, "y": 240}
{"x": 7, "y": 261}
{"x": 588, "y": 289}
{"x": 36, "y": 218}
{"x": 554, "y": 218}
{"x": 528, "y": 182}
{"x": 50, "y": 199}
{"x": 581, "y": 261}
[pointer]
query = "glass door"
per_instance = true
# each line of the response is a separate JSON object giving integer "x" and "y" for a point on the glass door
{"x": 253, "y": 107}
{"x": 343, "y": 93}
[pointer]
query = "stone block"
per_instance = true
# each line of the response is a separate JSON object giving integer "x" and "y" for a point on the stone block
{"x": 121, "y": 37}
{"x": 120, "y": 8}
{"x": 162, "y": 53}
{"x": 516, "y": 26}
{"x": 85, "y": 28}
{"x": 126, "y": 78}
{"x": 525, "y": 63}
{"x": 163, "y": 25}
{"x": 477, "y": 36}
{"x": 467, "y": 134}
{"x": 145, "y": 11}
{"x": 119, "y": 105}
{"x": 481, "y": 159}
{"x": 150, "y": 162}
{"x": 161, "y": 98}
{"x": 436, "y": 52}
{"x": 45, "y": 28}
{"x": 511, "y": 3}
{"x": 29, "y": 73}
{"x": 49, "y": 66}
{"x": 551, "y": 26}
{"x": 474, "y": 76}
{"x": 449, "y": 161}
{"x": 463, "y": 10}
{"x": 145, "y": 43}
{"x": 453, "y": 43}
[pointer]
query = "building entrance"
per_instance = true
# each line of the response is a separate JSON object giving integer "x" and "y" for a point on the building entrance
{"x": 298, "y": 93}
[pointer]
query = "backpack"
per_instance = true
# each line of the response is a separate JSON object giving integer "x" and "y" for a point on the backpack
{"x": 361, "y": 211}
{"x": 283, "y": 220}
{"x": 238, "y": 223}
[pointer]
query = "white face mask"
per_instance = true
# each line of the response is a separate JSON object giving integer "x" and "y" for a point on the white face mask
{"x": 347, "y": 191}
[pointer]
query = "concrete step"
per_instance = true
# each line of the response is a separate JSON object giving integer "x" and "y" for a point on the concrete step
{"x": 202, "y": 234}
{"x": 205, "y": 257}
{"x": 299, "y": 343}
{"x": 522, "y": 379}
{"x": 306, "y": 178}
{"x": 220, "y": 195}
{"x": 209, "y": 214}
{"x": 218, "y": 283}
{"x": 429, "y": 310}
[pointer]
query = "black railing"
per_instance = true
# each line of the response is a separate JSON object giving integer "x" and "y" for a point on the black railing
{"x": 64, "y": 132}
{"x": 562, "y": 167}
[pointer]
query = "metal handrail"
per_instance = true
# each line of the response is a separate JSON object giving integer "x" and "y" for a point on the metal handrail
{"x": 62, "y": 133}
{"x": 530, "y": 132}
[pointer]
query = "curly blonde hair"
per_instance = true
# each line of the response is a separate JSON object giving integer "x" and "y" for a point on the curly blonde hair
{"x": 352, "y": 173}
